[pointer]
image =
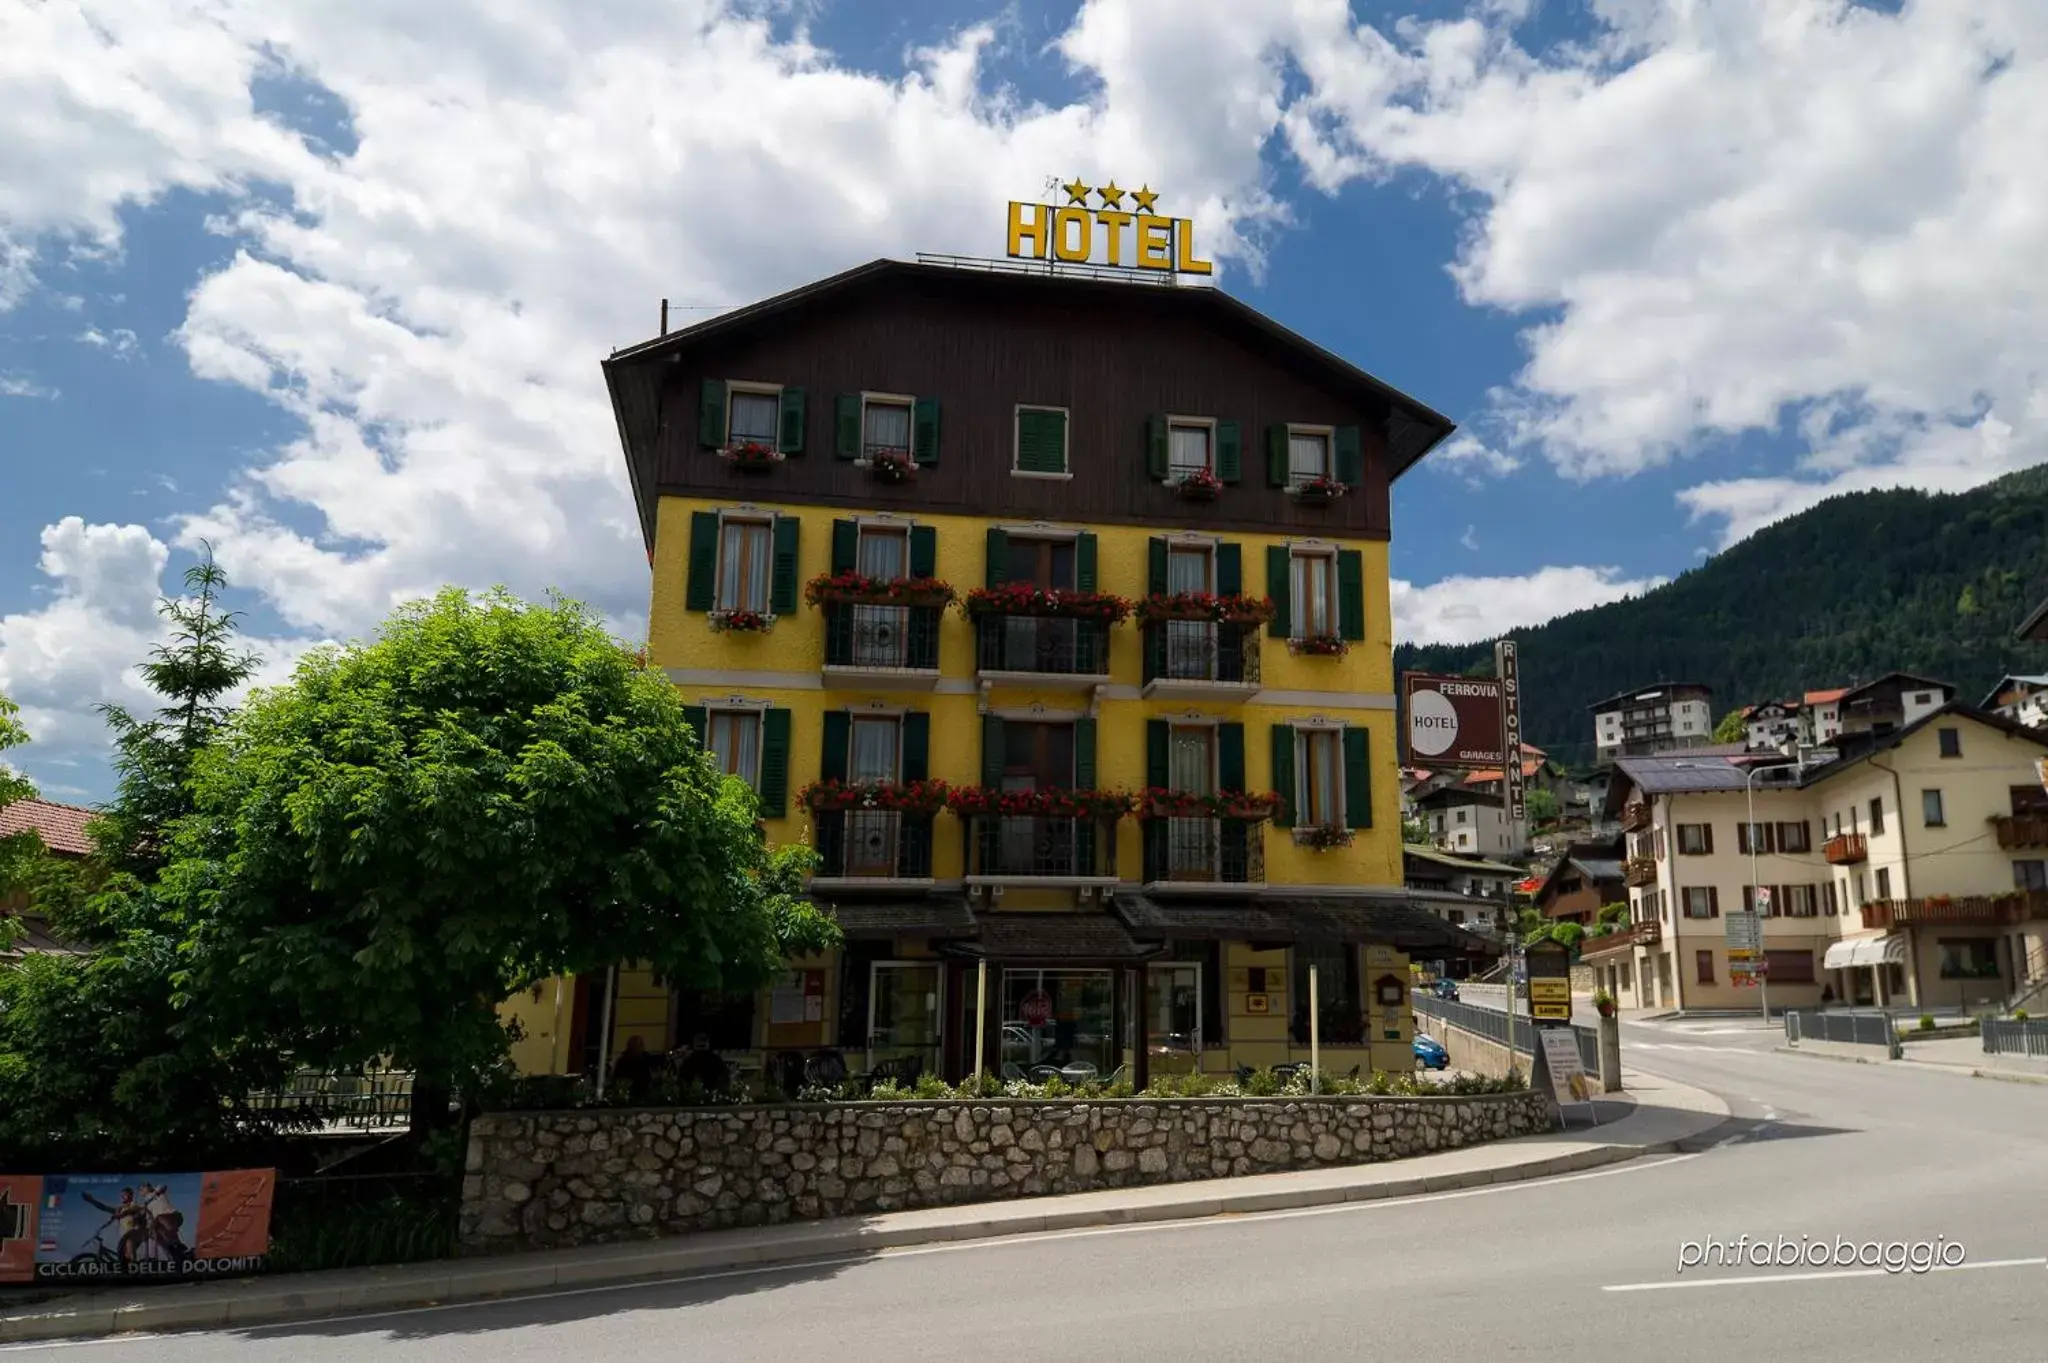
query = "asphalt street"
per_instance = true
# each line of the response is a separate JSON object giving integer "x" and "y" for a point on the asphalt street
{"x": 1575, "y": 1268}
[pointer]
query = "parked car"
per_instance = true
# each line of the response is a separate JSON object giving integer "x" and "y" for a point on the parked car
{"x": 1430, "y": 1053}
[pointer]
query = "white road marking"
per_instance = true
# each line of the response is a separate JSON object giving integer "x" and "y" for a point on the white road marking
{"x": 1751, "y": 1279}
{"x": 846, "y": 1260}
{"x": 1691, "y": 1046}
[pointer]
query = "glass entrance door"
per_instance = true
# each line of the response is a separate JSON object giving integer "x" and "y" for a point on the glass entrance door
{"x": 1173, "y": 1015}
{"x": 1061, "y": 1020}
{"x": 904, "y": 1011}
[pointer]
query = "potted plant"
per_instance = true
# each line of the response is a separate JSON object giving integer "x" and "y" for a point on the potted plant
{"x": 986, "y": 801}
{"x": 751, "y": 454}
{"x": 1023, "y": 598}
{"x": 1603, "y": 1003}
{"x": 892, "y": 466}
{"x": 1199, "y": 485}
{"x": 1321, "y": 488}
{"x": 902, "y": 797}
{"x": 1234, "y": 608}
{"x": 858, "y": 588}
{"x": 740, "y": 622}
{"x": 1321, "y": 645}
{"x": 1323, "y": 837}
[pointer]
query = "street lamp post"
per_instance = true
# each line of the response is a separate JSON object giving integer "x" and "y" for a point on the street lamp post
{"x": 1749, "y": 799}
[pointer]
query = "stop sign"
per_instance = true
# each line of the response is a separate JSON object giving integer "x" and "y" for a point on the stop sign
{"x": 1036, "y": 1010}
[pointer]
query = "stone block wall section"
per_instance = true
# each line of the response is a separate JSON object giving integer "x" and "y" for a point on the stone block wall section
{"x": 544, "y": 1180}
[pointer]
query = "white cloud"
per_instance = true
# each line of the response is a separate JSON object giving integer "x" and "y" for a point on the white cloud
{"x": 1467, "y": 457}
{"x": 1463, "y": 610}
{"x": 23, "y": 386}
{"x": 1470, "y": 539}
{"x": 120, "y": 342}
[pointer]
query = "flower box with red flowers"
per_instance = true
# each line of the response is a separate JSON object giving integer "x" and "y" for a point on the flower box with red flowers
{"x": 1199, "y": 485}
{"x": 1022, "y": 598}
{"x": 1321, "y": 646}
{"x": 1158, "y": 803}
{"x": 901, "y": 797}
{"x": 1318, "y": 489}
{"x": 838, "y": 589}
{"x": 1323, "y": 837}
{"x": 891, "y": 464}
{"x": 1232, "y": 609}
{"x": 751, "y": 454}
{"x": 988, "y": 802}
{"x": 740, "y": 622}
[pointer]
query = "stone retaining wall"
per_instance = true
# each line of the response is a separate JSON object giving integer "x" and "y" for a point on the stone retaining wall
{"x": 538, "y": 1180}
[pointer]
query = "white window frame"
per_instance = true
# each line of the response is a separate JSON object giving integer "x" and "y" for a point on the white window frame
{"x": 1017, "y": 442}
{"x": 1940, "y": 808}
{"x": 905, "y": 401}
{"x": 1302, "y": 775}
{"x": 766, "y": 519}
{"x": 754, "y": 710}
{"x": 1329, "y": 437}
{"x": 752, "y": 389}
{"x": 1297, "y": 624}
{"x": 1204, "y": 423}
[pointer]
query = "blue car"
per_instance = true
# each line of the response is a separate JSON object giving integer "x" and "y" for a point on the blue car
{"x": 1430, "y": 1053}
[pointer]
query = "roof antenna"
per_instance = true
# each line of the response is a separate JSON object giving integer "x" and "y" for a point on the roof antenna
{"x": 664, "y": 317}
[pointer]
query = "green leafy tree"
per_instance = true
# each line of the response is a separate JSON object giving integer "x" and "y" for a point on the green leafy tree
{"x": 20, "y": 852}
{"x": 488, "y": 794}
{"x": 1414, "y": 832}
{"x": 1733, "y": 728}
{"x": 1541, "y": 806}
{"x": 1567, "y": 934}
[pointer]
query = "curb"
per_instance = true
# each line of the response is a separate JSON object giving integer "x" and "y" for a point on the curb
{"x": 455, "y": 1282}
{"x": 1824, "y": 1055}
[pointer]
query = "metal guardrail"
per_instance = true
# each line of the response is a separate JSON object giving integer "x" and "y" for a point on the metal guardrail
{"x": 2009, "y": 1036}
{"x": 1855, "y": 1028}
{"x": 1492, "y": 1024}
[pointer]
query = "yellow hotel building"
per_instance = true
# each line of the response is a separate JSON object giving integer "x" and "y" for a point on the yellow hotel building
{"x": 1106, "y": 559}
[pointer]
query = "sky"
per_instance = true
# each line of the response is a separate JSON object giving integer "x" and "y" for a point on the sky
{"x": 327, "y": 286}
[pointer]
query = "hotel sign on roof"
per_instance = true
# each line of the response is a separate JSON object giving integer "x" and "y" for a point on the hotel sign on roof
{"x": 1137, "y": 237}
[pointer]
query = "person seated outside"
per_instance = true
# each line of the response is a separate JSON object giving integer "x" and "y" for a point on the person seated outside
{"x": 634, "y": 1071}
{"x": 703, "y": 1066}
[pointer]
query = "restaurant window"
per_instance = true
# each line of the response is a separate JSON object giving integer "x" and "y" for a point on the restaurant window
{"x": 734, "y": 738}
{"x": 1308, "y": 455}
{"x": 1951, "y": 742}
{"x": 744, "y": 558}
{"x": 1189, "y": 447}
{"x": 1695, "y": 839}
{"x": 1342, "y": 1020}
{"x": 1930, "y": 809}
{"x": 1313, "y": 593}
{"x": 885, "y": 426}
{"x": 1320, "y": 780}
{"x": 1703, "y": 965}
{"x": 753, "y": 416}
{"x": 1969, "y": 958}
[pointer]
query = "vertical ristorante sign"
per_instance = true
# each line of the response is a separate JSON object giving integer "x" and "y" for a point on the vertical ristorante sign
{"x": 1508, "y": 670}
{"x": 1123, "y": 225}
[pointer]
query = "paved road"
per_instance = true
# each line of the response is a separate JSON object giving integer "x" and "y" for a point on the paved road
{"x": 1577, "y": 1268}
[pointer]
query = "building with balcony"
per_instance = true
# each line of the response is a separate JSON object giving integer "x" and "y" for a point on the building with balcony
{"x": 1907, "y": 867}
{"x": 1890, "y": 702}
{"x": 2021, "y": 699}
{"x": 1053, "y": 613}
{"x": 1820, "y": 716}
{"x": 1471, "y": 821}
{"x": 1472, "y": 894}
{"x": 1653, "y": 719}
{"x": 1587, "y": 878}
{"x": 1771, "y": 725}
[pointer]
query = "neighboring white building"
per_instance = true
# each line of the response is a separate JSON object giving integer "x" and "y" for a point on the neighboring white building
{"x": 1820, "y": 716}
{"x": 1892, "y": 701}
{"x": 1771, "y": 726}
{"x": 1460, "y": 819}
{"x": 1653, "y": 719}
{"x": 2023, "y": 700}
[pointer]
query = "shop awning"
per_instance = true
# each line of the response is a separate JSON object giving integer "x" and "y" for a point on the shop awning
{"x": 938, "y": 915}
{"x": 1388, "y": 921}
{"x": 1865, "y": 952}
{"x": 1027, "y": 936}
{"x": 1233, "y": 920}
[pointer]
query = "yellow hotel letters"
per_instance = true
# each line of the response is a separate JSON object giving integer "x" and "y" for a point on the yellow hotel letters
{"x": 1040, "y": 232}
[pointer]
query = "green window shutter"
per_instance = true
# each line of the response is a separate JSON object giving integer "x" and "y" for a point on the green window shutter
{"x": 1158, "y": 733}
{"x": 1158, "y": 462}
{"x": 711, "y": 415}
{"x": 790, "y": 434}
{"x": 782, "y": 576}
{"x": 1357, "y": 780}
{"x": 832, "y": 755}
{"x": 1283, "y": 774}
{"x": 1276, "y": 454}
{"x": 998, "y": 569}
{"x": 917, "y": 746}
{"x": 845, "y": 545}
{"x": 1230, "y": 756}
{"x": 924, "y": 551}
{"x": 924, "y": 432}
{"x": 1042, "y": 442}
{"x": 699, "y": 721}
{"x": 1155, "y": 565}
{"x": 1351, "y": 593}
{"x": 1229, "y": 569}
{"x": 774, "y": 790}
{"x": 1084, "y": 561}
{"x": 700, "y": 592}
{"x": 1084, "y": 754}
{"x": 1350, "y": 454}
{"x": 846, "y": 426}
{"x": 1229, "y": 451}
{"x": 1280, "y": 586}
{"x": 992, "y": 751}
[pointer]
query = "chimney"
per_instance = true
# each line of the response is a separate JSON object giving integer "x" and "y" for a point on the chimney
{"x": 664, "y": 317}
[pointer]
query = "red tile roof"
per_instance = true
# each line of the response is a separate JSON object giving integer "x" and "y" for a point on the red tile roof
{"x": 62, "y": 826}
{"x": 1826, "y": 697}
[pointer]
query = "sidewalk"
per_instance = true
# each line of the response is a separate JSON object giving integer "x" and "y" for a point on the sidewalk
{"x": 1966, "y": 1055}
{"x": 1664, "y": 1115}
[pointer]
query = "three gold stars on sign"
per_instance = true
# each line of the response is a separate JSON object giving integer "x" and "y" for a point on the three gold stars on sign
{"x": 1110, "y": 195}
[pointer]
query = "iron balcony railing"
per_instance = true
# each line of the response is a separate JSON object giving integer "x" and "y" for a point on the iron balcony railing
{"x": 1201, "y": 651}
{"x": 1204, "y": 851}
{"x": 873, "y": 844}
{"x": 883, "y": 638}
{"x": 1037, "y": 846}
{"x": 1051, "y": 645}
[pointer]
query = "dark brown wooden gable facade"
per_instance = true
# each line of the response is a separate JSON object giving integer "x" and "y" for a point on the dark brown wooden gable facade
{"x": 972, "y": 346}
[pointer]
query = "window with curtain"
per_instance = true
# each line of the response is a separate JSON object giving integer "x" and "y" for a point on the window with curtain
{"x": 885, "y": 426}
{"x": 1187, "y": 449}
{"x": 1187, "y": 569}
{"x": 1190, "y": 644}
{"x": 1931, "y": 812}
{"x": 1320, "y": 775}
{"x": 1190, "y": 759}
{"x": 1314, "y": 594}
{"x": 735, "y": 742}
{"x": 743, "y": 565}
{"x": 883, "y": 552}
{"x": 872, "y": 748}
{"x": 752, "y": 417}
{"x": 1308, "y": 456}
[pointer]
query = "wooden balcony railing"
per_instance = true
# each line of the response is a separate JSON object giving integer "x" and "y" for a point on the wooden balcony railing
{"x": 2016, "y": 831}
{"x": 1975, "y": 910}
{"x": 1639, "y": 871}
{"x": 1644, "y": 934}
{"x": 1846, "y": 849}
{"x": 1635, "y": 818}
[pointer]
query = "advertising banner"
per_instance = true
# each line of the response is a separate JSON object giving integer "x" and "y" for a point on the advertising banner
{"x": 1568, "y": 1081}
{"x": 96, "y": 1228}
{"x": 1453, "y": 722}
